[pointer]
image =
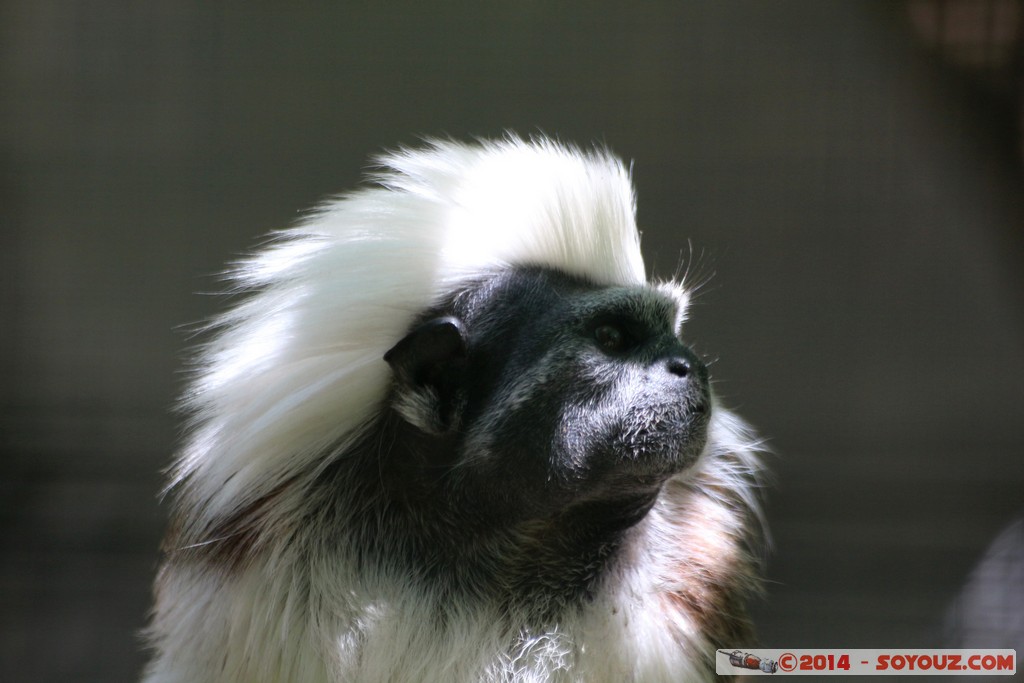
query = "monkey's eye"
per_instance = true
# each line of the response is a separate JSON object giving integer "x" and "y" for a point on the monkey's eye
{"x": 612, "y": 338}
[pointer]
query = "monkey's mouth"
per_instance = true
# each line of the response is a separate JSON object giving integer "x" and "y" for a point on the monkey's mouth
{"x": 665, "y": 440}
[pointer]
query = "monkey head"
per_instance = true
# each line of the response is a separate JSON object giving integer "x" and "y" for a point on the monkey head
{"x": 538, "y": 391}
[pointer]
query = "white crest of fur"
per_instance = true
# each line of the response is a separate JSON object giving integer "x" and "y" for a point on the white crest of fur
{"x": 297, "y": 368}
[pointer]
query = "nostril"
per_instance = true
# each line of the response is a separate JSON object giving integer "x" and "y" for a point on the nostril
{"x": 679, "y": 367}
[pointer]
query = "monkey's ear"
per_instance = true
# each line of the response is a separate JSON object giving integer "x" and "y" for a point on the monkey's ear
{"x": 429, "y": 363}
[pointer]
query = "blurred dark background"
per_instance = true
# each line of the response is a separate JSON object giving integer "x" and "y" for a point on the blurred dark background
{"x": 850, "y": 172}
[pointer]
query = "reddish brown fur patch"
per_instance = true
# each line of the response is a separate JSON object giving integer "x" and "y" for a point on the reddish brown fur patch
{"x": 229, "y": 543}
{"x": 711, "y": 584}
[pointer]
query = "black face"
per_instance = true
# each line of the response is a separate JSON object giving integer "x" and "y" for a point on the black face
{"x": 532, "y": 393}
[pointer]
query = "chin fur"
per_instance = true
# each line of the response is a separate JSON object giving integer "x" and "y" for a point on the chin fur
{"x": 297, "y": 552}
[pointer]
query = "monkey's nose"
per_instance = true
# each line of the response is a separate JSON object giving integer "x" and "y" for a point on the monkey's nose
{"x": 679, "y": 366}
{"x": 685, "y": 364}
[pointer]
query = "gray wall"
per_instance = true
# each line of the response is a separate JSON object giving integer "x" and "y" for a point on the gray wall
{"x": 858, "y": 204}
